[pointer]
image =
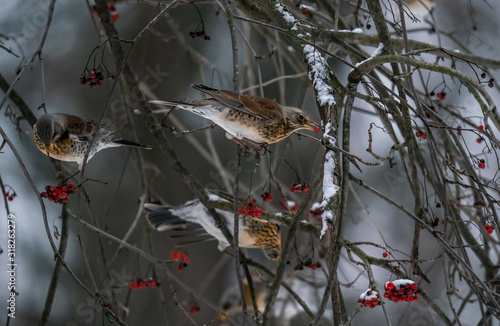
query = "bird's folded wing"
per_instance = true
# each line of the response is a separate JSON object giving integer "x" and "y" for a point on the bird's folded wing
{"x": 259, "y": 106}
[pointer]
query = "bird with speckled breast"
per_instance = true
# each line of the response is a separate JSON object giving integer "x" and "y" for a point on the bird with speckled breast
{"x": 67, "y": 137}
{"x": 245, "y": 117}
{"x": 253, "y": 232}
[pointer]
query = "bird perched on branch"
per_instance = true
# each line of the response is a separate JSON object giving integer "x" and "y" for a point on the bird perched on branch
{"x": 246, "y": 117}
{"x": 67, "y": 137}
{"x": 253, "y": 232}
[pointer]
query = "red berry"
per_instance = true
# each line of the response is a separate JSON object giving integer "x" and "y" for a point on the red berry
{"x": 11, "y": 198}
{"x": 418, "y": 133}
{"x": 424, "y": 136}
{"x": 479, "y": 140}
{"x": 71, "y": 185}
{"x": 317, "y": 128}
{"x": 52, "y": 188}
{"x": 490, "y": 231}
{"x": 92, "y": 75}
{"x": 114, "y": 17}
{"x": 390, "y": 286}
{"x": 385, "y": 254}
{"x": 194, "y": 309}
{"x": 459, "y": 133}
{"x": 482, "y": 165}
{"x": 305, "y": 11}
{"x": 480, "y": 128}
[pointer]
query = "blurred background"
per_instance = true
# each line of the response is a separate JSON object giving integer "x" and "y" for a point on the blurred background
{"x": 167, "y": 61}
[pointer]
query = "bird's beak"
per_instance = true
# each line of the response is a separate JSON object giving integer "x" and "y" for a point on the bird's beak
{"x": 313, "y": 126}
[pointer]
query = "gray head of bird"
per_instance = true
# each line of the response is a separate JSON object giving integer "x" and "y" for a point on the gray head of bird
{"x": 49, "y": 128}
{"x": 298, "y": 119}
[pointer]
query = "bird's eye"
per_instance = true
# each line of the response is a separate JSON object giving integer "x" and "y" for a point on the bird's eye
{"x": 300, "y": 117}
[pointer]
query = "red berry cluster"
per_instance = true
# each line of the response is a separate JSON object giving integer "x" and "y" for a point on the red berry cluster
{"x": 420, "y": 134}
{"x": 112, "y": 10}
{"x": 142, "y": 284}
{"x": 401, "y": 290}
{"x": 58, "y": 194}
{"x": 250, "y": 209}
{"x": 288, "y": 206}
{"x": 182, "y": 258}
{"x": 194, "y": 309}
{"x": 441, "y": 95}
{"x": 10, "y": 194}
{"x": 316, "y": 212}
{"x": 201, "y": 34}
{"x": 299, "y": 187}
{"x": 93, "y": 78}
{"x": 481, "y": 164}
{"x": 489, "y": 228}
{"x": 307, "y": 263}
{"x": 266, "y": 196}
{"x": 370, "y": 298}
{"x": 303, "y": 8}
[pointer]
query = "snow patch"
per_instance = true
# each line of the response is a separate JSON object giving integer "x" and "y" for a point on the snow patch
{"x": 329, "y": 188}
{"x": 212, "y": 197}
{"x": 377, "y": 52}
{"x": 286, "y": 15}
{"x": 317, "y": 74}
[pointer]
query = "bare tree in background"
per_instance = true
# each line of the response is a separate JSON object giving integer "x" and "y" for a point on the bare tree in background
{"x": 396, "y": 199}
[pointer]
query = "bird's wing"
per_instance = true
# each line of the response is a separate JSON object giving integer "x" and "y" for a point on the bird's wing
{"x": 78, "y": 126}
{"x": 165, "y": 218}
{"x": 255, "y": 105}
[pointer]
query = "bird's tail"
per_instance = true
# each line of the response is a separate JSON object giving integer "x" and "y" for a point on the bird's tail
{"x": 130, "y": 143}
{"x": 163, "y": 218}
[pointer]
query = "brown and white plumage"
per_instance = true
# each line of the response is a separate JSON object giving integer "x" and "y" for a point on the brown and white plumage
{"x": 246, "y": 117}
{"x": 253, "y": 232}
{"x": 67, "y": 137}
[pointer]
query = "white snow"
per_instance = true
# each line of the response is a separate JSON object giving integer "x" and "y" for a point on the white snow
{"x": 286, "y": 15}
{"x": 317, "y": 74}
{"x": 329, "y": 188}
{"x": 212, "y": 197}
{"x": 377, "y": 52}
{"x": 398, "y": 283}
{"x": 315, "y": 206}
{"x": 357, "y": 30}
{"x": 368, "y": 297}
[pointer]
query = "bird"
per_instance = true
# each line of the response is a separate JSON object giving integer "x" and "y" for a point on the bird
{"x": 248, "y": 118}
{"x": 253, "y": 232}
{"x": 67, "y": 137}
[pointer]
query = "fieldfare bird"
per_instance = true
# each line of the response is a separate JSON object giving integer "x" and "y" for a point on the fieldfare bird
{"x": 246, "y": 117}
{"x": 253, "y": 232}
{"x": 67, "y": 137}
